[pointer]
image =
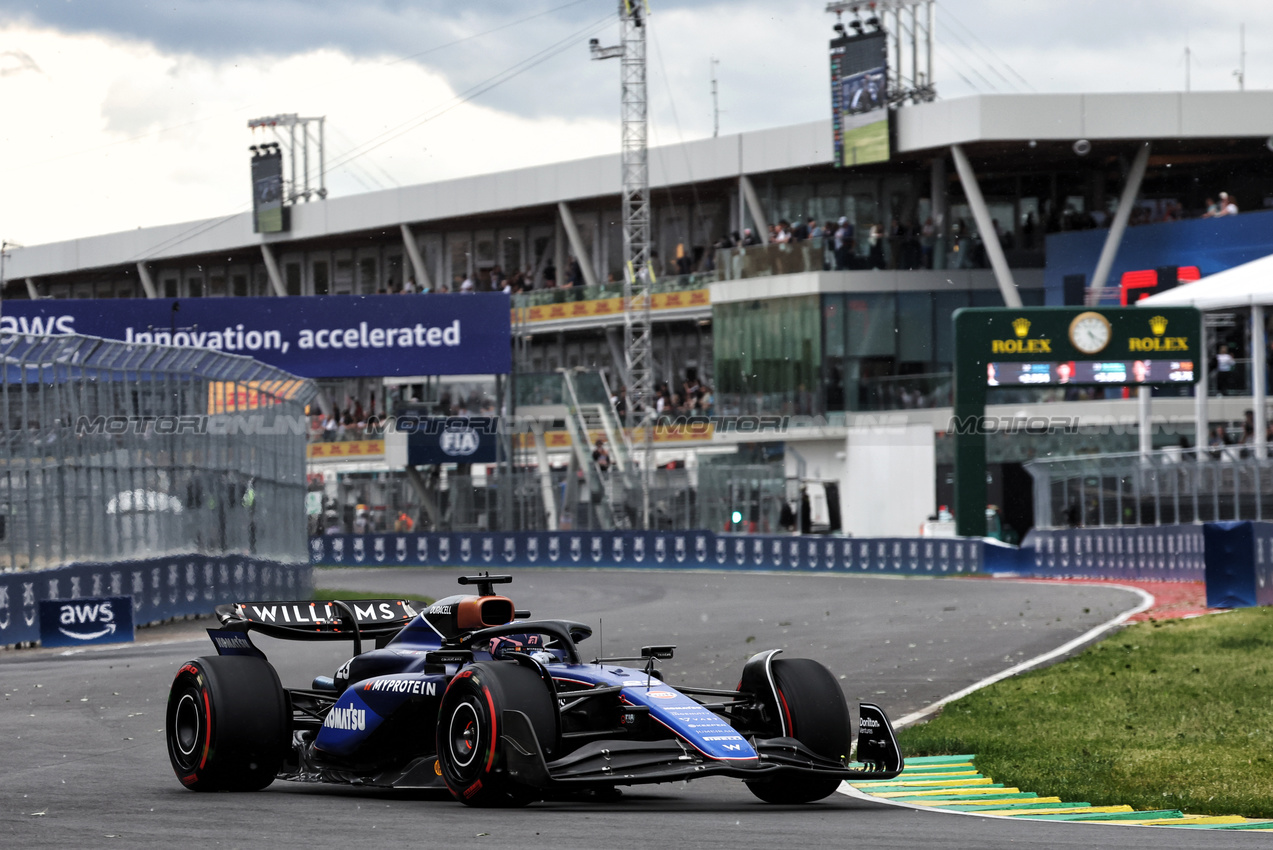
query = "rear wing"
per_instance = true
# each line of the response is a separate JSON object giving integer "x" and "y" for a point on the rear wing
{"x": 319, "y": 620}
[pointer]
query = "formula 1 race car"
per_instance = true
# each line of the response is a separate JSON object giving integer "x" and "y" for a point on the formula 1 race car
{"x": 472, "y": 694}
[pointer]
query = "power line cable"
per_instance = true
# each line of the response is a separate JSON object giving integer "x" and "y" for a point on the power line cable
{"x": 161, "y": 130}
{"x": 469, "y": 94}
{"x": 959, "y": 73}
{"x": 955, "y": 20}
{"x": 689, "y": 170}
{"x": 947, "y": 48}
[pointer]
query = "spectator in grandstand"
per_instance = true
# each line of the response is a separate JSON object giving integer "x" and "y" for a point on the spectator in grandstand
{"x": 800, "y": 231}
{"x": 750, "y": 238}
{"x": 1228, "y": 206}
{"x": 815, "y": 230}
{"x": 875, "y": 255}
{"x": 843, "y": 244}
{"x": 1224, "y": 369}
{"x": 927, "y": 241}
{"x": 780, "y": 232}
{"x": 1212, "y": 208}
{"x": 601, "y": 456}
{"x": 706, "y": 401}
{"x": 333, "y": 524}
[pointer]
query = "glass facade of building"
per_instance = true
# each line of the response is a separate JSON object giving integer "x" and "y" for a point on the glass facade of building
{"x": 768, "y": 356}
{"x": 843, "y": 351}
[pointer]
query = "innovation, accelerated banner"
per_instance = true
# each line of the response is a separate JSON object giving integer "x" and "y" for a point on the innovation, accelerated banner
{"x": 318, "y": 336}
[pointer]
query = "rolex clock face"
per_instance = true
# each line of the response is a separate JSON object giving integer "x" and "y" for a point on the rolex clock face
{"x": 1089, "y": 332}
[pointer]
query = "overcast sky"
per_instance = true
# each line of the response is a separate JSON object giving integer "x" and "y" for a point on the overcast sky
{"x": 125, "y": 113}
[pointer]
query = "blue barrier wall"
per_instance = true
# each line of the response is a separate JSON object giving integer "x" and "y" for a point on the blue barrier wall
{"x": 1211, "y": 244}
{"x": 659, "y": 549}
{"x": 1239, "y": 564}
{"x": 1159, "y": 553}
{"x": 161, "y": 588}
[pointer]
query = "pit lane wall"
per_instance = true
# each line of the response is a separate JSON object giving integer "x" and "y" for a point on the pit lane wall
{"x": 161, "y": 588}
{"x": 650, "y": 549}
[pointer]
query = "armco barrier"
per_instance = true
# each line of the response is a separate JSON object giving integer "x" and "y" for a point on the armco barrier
{"x": 658, "y": 549}
{"x": 161, "y": 588}
{"x": 1160, "y": 553}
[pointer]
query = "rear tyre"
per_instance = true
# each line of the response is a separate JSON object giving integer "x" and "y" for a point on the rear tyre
{"x": 227, "y": 724}
{"x": 815, "y": 713}
{"x": 470, "y": 718}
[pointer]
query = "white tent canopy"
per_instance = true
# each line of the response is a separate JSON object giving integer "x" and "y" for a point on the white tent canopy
{"x": 1241, "y": 286}
{"x": 1248, "y": 285}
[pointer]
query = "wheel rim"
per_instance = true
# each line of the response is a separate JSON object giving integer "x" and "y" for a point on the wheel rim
{"x": 464, "y": 734}
{"x": 186, "y": 724}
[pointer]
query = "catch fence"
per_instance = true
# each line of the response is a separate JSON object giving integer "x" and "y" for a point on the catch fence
{"x": 117, "y": 452}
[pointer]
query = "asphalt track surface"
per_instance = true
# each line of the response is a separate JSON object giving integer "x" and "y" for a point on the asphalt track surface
{"x": 83, "y": 764}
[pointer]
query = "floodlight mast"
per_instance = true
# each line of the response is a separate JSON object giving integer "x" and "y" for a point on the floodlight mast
{"x": 290, "y": 121}
{"x": 898, "y": 18}
{"x": 638, "y": 276}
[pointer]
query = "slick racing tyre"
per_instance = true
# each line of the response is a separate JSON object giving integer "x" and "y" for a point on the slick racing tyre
{"x": 813, "y": 708}
{"x": 470, "y": 719}
{"x": 227, "y": 724}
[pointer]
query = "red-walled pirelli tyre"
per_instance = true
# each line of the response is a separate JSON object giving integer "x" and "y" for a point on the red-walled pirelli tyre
{"x": 470, "y": 719}
{"x": 227, "y": 724}
{"x": 816, "y": 714}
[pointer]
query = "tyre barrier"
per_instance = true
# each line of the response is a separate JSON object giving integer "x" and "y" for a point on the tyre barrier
{"x": 161, "y": 588}
{"x": 650, "y": 549}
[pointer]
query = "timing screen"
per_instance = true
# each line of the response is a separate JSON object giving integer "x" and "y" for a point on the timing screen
{"x": 1089, "y": 373}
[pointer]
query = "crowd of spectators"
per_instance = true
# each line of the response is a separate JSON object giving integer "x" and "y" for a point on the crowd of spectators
{"x": 693, "y": 398}
{"x": 352, "y": 421}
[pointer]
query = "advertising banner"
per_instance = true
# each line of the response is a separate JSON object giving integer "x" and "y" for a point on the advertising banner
{"x": 695, "y": 549}
{"x": 157, "y": 589}
{"x": 313, "y": 336}
{"x": 450, "y": 439}
{"x": 75, "y": 622}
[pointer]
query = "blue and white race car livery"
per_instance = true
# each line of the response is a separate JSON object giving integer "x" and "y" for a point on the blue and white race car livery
{"x": 471, "y": 694}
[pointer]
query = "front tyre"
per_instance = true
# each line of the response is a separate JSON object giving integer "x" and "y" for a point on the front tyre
{"x": 813, "y": 710}
{"x": 227, "y": 724}
{"x": 470, "y": 756}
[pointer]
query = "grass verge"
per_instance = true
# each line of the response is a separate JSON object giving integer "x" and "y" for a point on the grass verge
{"x": 1174, "y": 714}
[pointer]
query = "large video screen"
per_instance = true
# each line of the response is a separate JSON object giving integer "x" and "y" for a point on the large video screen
{"x": 859, "y": 99}
{"x": 1094, "y": 373}
{"x": 268, "y": 213}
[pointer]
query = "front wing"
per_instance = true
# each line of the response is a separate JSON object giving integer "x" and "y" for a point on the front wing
{"x": 607, "y": 763}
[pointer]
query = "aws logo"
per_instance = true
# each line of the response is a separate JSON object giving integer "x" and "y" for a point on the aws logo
{"x": 1158, "y": 342}
{"x": 37, "y": 325}
{"x": 1021, "y": 345}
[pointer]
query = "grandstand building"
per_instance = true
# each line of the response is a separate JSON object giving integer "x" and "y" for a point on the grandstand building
{"x": 855, "y": 348}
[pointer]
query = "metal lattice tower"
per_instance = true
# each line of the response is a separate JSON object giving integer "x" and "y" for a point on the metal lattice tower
{"x": 638, "y": 276}
{"x": 299, "y": 188}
